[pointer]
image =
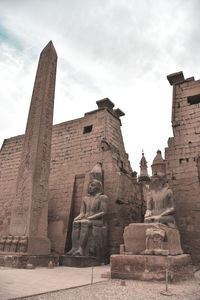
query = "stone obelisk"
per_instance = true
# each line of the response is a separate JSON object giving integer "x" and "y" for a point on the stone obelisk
{"x": 29, "y": 217}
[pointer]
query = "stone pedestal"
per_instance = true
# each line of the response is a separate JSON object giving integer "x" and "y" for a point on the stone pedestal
{"x": 38, "y": 246}
{"x": 15, "y": 260}
{"x": 135, "y": 239}
{"x": 79, "y": 261}
{"x": 149, "y": 250}
{"x": 151, "y": 267}
{"x": 25, "y": 244}
{"x": 29, "y": 219}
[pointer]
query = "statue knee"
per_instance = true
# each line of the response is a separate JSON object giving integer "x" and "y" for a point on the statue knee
{"x": 86, "y": 225}
{"x": 76, "y": 225}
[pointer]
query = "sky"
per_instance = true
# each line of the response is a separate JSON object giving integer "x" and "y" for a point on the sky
{"x": 120, "y": 49}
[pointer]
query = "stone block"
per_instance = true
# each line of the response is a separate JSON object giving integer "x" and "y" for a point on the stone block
{"x": 38, "y": 245}
{"x": 22, "y": 260}
{"x": 176, "y": 78}
{"x": 79, "y": 261}
{"x": 135, "y": 238}
{"x": 151, "y": 267}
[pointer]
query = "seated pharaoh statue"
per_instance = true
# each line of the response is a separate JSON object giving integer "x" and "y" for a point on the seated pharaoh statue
{"x": 152, "y": 247}
{"x": 160, "y": 203}
{"x": 162, "y": 235}
{"x": 89, "y": 232}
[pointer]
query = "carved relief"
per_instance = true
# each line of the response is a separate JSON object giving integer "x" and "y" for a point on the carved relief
{"x": 155, "y": 238}
{"x": 14, "y": 244}
{"x": 8, "y": 243}
{"x": 23, "y": 244}
{"x": 2, "y": 243}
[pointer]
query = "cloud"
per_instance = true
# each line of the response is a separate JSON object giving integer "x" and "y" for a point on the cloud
{"x": 117, "y": 49}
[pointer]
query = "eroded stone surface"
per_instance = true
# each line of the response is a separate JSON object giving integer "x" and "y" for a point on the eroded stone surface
{"x": 20, "y": 260}
{"x": 28, "y": 227}
{"x": 160, "y": 203}
{"x": 151, "y": 267}
{"x": 182, "y": 156}
{"x": 135, "y": 239}
{"x": 89, "y": 235}
{"x": 73, "y": 155}
{"x": 79, "y": 261}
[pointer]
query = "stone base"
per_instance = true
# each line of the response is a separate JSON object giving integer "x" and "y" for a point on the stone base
{"x": 38, "y": 246}
{"x": 20, "y": 261}
{"x": 135, "y": 239}
{"x": 31, "y": 245}
{"x": 79, "y": 261}
{"x": 151, "y": 267}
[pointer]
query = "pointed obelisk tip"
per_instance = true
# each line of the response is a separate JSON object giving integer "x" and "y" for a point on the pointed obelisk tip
{"x": 49, "y": 46}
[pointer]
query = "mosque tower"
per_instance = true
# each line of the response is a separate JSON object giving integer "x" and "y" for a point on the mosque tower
{"x": 158, "y": 166}
{"x": 143, "y": 169}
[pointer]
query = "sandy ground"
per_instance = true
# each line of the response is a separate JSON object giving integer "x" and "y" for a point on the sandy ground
{"x": 132, "y": 290}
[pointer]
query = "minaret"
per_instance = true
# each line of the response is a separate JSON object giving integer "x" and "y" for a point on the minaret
{"x": 29, "y": 217}
{"x": 143, "y": 169}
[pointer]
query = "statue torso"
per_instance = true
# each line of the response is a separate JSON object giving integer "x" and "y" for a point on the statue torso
{"x": 92, "y": 204}
{"x": 159, "y": 200}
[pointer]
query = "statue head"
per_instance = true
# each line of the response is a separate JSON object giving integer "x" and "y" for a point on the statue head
{"x": 158, "y": 182}
{"x": 97, "y": 172}
{"x": 94, "y": 187}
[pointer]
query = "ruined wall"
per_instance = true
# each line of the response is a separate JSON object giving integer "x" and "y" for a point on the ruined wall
{"x": 76, "y": 147}
{"x": 182, "y": 160}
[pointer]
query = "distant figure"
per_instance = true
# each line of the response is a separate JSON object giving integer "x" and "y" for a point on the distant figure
{"x": 160, "y": 203}
{"x": 89, "y": 227}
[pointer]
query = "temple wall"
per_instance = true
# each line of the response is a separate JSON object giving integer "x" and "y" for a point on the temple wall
{"x": 182, "y": 164}
{"x": 10, "y": 155}
{"x": 75, "y": 150}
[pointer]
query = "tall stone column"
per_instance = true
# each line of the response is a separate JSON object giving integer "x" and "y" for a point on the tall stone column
{"x": 29, "y": 217}
{"x": 143, "y": 169}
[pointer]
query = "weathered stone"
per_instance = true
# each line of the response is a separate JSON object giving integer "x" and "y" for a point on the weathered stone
{"x": 89, "y": 235}
{"x": 2, "y": 243}
{"x": 72, "y": 157}
{"x": 105, "y": 103}
{"x": 79, "y": 261}
{"x": 182, "y": 160}
{"x": 160, "y": 203}
{"x": 28, "y": 228}
{"x": 176, "y": 78}
{"x": 30, "y": 267}
{"x": 152, "y": 249}
{"x": 50, "y": 264}
{"x": 158, "y": 166}
{"x": 151, "y": 267}
{"x": 143, "y": 169}
{"x": 8, "y": 243}
{"x": 135, "y": 239}
{"x": 20, "y": 260}
{"x": 118, "y": 112}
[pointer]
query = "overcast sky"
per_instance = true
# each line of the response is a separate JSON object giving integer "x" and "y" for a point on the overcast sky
{"x": 120, "y": 49}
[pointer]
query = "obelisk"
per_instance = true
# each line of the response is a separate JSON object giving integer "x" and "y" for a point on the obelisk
{"x": 29, "y": 217}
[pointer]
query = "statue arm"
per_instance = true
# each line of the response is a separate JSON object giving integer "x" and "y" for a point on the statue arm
{"x": 82, "y": 212}
{"x": 96, "y": 216}
{"x": 170, "y": 210}
{"x": 103, "y": 208}
{"x": 149, "y": 206}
